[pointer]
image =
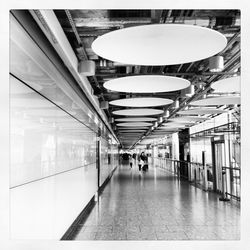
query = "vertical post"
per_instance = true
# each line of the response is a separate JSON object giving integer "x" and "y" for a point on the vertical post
{"x": 189, "y": 171}
{"x": 204, "y": 171}
{"x": 98, "y": 152}
{"x": 224, "y": 195}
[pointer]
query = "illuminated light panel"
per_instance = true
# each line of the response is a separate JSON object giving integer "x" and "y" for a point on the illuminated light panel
{"x": 134, "y": 124}
{"x": 228, "y": 85}
{"x": 147, "y": 84}
{"x": 141, "y": 102}
{"x": 215, "y": 101}
{"x": 159, "y": 44}
{"x": 138, "y": 112}
{"x": 188, "y": 119}
{"x": 201, "y": 111}
{"x": 136, "y": 119}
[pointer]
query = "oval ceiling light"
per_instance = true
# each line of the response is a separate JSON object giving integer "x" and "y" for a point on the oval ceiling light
{"x": 131, "y": 131}
{"x": 122, "y": 128}
{"x": 159, "y": 44}
{"x": 134, "y": 124}
{"x": 166, "y": 129}
{"x": 201, "y": 111}
{"x": 142, "y": 102}
{"x": 174, "y": 125}
{"x": 136, "y": 119}
{"x": 215, "y": 101}
{"x": 228, "y": 85}
{"x": 188, "y": 119}
{"x": 146, "y": 84}
{"x": 128, "y": 134}
{"x": 138, "y": 112}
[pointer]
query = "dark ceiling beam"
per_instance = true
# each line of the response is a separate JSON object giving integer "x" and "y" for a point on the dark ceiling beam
{"x": 79, "y": 41}
{"x": 83, "y": 53}
{"x": 232, "y": 40}
{"x": 167, "y": 74}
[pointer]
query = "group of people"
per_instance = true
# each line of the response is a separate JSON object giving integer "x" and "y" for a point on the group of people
{"x": 142, "y": 160}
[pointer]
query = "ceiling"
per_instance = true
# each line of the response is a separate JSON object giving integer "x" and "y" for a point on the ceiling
{"x": 82, "y": 27}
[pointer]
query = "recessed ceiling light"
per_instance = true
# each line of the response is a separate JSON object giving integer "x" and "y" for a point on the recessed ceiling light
{"x": 159, "y": 44}
{"x": 215, "y": 101}
{"x": 134, "y": 124}
{"x": 141, "y": 102}
{"x": 136, "y": 119}
{"x": 138, "y": 112}
{"x": 146, "y": 84}
{"x": 228, "y": 85}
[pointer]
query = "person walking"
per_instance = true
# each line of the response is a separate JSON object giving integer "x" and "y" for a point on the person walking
{"x": 144, "y": 158}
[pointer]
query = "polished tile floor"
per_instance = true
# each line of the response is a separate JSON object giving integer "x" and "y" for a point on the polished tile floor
{"x": 157, "y": 206}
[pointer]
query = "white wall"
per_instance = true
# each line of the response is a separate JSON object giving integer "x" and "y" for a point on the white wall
{"x": 105, "y": 167}
{"x": 45, "y": 209}
{"x": 53, "y": 171}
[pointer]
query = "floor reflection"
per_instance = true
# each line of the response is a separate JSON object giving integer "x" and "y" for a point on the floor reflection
{"x": 155, "y": 205}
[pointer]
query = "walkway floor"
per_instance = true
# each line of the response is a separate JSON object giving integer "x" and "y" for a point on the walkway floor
{"x": 156, "y": 206}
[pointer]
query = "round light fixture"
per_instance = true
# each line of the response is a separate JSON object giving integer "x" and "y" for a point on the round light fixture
{"x": 134, "y": 124}
{"x": 228, "y": 85}
{"x": 142, "y": 102}
{"x": 159, "y": 44}
{"x": 138, "y": 112}
{"x": 131, "y": 131}
{"x": 136, "y": 119}
{"x": 215, "y": 101}
{"x": 174, "y": 125}
{"x": 167, "y": 129}
{"x": 187, "y": 119}
{"x": 121, "y": 128}
{"x": 201, "y": 111}
{"x": 146, "y": 84}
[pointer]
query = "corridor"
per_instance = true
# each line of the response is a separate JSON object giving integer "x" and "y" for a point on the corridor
{"x": 155, "y": 205}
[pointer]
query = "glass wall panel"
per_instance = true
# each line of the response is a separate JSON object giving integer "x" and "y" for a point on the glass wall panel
{"x": 45, "y": 140}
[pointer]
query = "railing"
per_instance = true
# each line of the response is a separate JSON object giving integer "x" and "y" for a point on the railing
{"x": 233, "y": 185}
{"x": 199, "y": 175}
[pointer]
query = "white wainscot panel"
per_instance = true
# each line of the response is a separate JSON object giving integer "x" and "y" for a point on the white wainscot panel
{"x": 46, "y": 208}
